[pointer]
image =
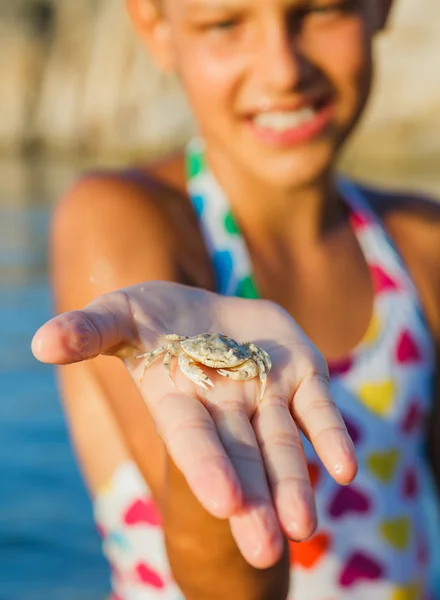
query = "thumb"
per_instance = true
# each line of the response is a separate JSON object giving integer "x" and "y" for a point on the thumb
{"x": 106, "y": 326}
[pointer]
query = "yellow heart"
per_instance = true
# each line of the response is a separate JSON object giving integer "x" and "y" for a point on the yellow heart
{"x": 373, "y": 331}
{"x": 383, "y": 464}
{"x": 408, "y": 592}
{"x": 396, "y": 532}
{"x": 378, "y": 397}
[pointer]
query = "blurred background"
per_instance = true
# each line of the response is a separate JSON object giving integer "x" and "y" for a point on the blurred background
{"x": 77, "y": 90}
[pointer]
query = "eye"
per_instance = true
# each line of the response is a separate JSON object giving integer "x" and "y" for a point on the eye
{"x": 224, "y": 24}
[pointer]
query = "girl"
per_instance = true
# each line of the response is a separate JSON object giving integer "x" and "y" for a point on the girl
{"x": 253, "y": 208}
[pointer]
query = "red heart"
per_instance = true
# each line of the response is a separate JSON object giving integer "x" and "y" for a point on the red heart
{"x": 308, "y": 553}
{"x": 142, "y": 511}
{"x": 148, "y": 576}
{"x": 313, "y": 473}
{"x": 382, "y": 281}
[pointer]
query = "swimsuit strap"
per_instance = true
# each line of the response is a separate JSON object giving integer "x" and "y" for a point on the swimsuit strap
{"x": 229, "y": 253}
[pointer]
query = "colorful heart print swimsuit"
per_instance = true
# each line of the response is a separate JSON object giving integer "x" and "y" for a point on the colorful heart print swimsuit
{"x": 372, "y": 541}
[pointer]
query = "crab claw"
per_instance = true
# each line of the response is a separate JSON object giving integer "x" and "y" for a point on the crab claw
{"x": 194, "y": 373}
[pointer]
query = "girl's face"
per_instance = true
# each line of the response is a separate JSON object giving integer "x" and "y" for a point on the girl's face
{"x": 275, "y": 85}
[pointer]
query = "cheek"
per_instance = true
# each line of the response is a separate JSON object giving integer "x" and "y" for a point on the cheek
{"x": 346, "y": 57}
{"x": 211, "y": 78}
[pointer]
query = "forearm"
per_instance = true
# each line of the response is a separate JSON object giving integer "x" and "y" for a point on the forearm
{"x": 204, "y": 557}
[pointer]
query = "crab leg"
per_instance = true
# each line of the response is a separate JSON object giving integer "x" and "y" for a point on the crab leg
{"x": 176, "y": 338}
{"x": 170, "y": 349}
{"x": 248, "y": 370}
{"x": 262, "y": 354}
{"x": 194, "y": 373}
{"x": 151, "y": 357}
{"x": 263, "y": 374}
{"x": 167, "y": 364}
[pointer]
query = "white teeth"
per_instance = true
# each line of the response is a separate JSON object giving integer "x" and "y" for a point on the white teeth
{"x": 280, "y": 121}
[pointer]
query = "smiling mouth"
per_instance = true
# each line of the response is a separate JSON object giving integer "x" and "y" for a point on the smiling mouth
{"x": 287, "y": 126}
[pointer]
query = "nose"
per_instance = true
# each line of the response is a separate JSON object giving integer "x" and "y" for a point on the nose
{"x": 281, "y": 60}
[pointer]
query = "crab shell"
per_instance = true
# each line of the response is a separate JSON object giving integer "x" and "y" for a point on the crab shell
{"x": 215, "y": 350}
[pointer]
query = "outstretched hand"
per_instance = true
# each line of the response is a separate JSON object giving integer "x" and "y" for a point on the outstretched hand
{"x": 242, "y": 457}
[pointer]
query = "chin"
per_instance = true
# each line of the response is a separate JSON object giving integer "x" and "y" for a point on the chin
{"x": 296, "y": 169}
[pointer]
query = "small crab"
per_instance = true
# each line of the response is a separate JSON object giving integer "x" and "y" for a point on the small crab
{"x": 231, "y": 359}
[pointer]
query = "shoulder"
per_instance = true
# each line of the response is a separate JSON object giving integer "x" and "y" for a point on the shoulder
{"x": 113, "y": 229}
{"x": 413, "y": 222}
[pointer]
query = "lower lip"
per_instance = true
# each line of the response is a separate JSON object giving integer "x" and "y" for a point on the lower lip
{"x": 296, "y": 135}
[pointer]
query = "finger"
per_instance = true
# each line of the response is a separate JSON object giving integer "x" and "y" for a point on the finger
{"x": 283, "y": 454}
{"x": 320, "y": 420}
{"x": 103, "y": 327}
{"x": 191, "y": 439}
{"x": 255, "y": 527}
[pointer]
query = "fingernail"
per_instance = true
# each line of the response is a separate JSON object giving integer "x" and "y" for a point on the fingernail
{"x": 346, "y": 455}
{"x": 38, "y": 345}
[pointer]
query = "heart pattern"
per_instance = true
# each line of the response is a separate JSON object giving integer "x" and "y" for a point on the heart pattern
{"x": 414, "y": 417}
{"x": 407, "y": 349}
{"x": 408, "y": 592}
{"x": 373, "y": 332}
{"x": 353, "y": 430}
{"x": 307, "y": 554}
{"x": 314, "y": 473}
{"x": 149, "y": 576}
{"x": 410, "y": 484}
{"x": 383, "y": 464}
{"x": 349, "y": 500}
{"x": 378, "y": 397}
{"x": 338, "y": 368}
{"x": 396, "y": 532}
{"x": 142, "y": 512}
{"x": 382, "y": 281}
{"x": 360, "y": 567}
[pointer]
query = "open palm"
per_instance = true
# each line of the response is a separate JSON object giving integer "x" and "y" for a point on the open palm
{"x": 242, "y": 457}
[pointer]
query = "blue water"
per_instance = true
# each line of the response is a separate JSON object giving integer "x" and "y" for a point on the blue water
{"x": 49, "y": 548}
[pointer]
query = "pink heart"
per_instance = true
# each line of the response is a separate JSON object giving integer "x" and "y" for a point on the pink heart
{"x": 142, "y": 511}
{"x": 360, "y": 566}
{"x": 422, "y": 552}
{"x": 410, "y": 484}
{"x": 349, "y": 500}
{"x": 407, "y": 350}
{"x": 340, "y": 367}
{"x": 381, "y": 280}
{"x": 148, "y": 576}
{"x": 352, "y": 429}
{"x": 413, "y": 418}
